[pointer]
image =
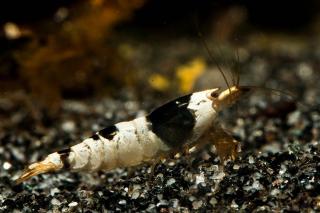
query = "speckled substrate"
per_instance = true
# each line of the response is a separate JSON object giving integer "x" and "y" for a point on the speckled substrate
{"x": 277, "y": 170}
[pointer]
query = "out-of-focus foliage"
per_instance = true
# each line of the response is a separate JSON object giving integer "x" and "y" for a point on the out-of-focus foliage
{"x": 74, "y": 56}
{"x": 185, "y": 78}
{"x": 188, "y": 74}
{"x": 159, "y": 82}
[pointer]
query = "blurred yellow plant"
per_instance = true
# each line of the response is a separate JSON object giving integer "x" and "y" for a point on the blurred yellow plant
{"x": 159, "y": 82}
{"x": 187, "y": 74}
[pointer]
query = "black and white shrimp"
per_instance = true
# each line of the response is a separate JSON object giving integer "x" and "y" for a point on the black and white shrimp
{"x": 184, "y": 122}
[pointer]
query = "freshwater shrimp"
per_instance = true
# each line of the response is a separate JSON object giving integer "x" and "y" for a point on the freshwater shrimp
{"x": 183, "y": 122}
{"x": 187, "y": 121}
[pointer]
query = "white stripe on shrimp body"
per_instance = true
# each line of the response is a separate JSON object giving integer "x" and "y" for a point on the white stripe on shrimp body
{"x": 178, "y": 123}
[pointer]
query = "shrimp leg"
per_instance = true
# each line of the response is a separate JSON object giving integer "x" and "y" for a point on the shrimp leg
{"x": 226, "y": 146}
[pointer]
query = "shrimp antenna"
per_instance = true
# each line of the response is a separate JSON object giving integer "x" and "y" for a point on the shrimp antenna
{"x": 226, "y": 63}
{"x": 213, "y": 59}
{"x": 277, "y": 92}
{"x": 237, "y": 68}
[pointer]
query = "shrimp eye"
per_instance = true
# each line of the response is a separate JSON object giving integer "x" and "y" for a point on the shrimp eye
{"x": 214, "y": 94}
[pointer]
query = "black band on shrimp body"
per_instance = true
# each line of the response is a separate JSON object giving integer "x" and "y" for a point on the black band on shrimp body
{"x": 95, "y": 137}
{"x": 108, "y": 132}
{"x": 64, "y": 159}
{"x": 173, "y": 122}
{"x": 64, "y": 151}
{"x": 64, "y": 154}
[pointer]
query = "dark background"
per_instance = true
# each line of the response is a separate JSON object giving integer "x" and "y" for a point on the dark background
{"x": 79, "y": 66}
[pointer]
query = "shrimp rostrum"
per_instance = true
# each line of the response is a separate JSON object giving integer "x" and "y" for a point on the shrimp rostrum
{"x": 181, "y": 123}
